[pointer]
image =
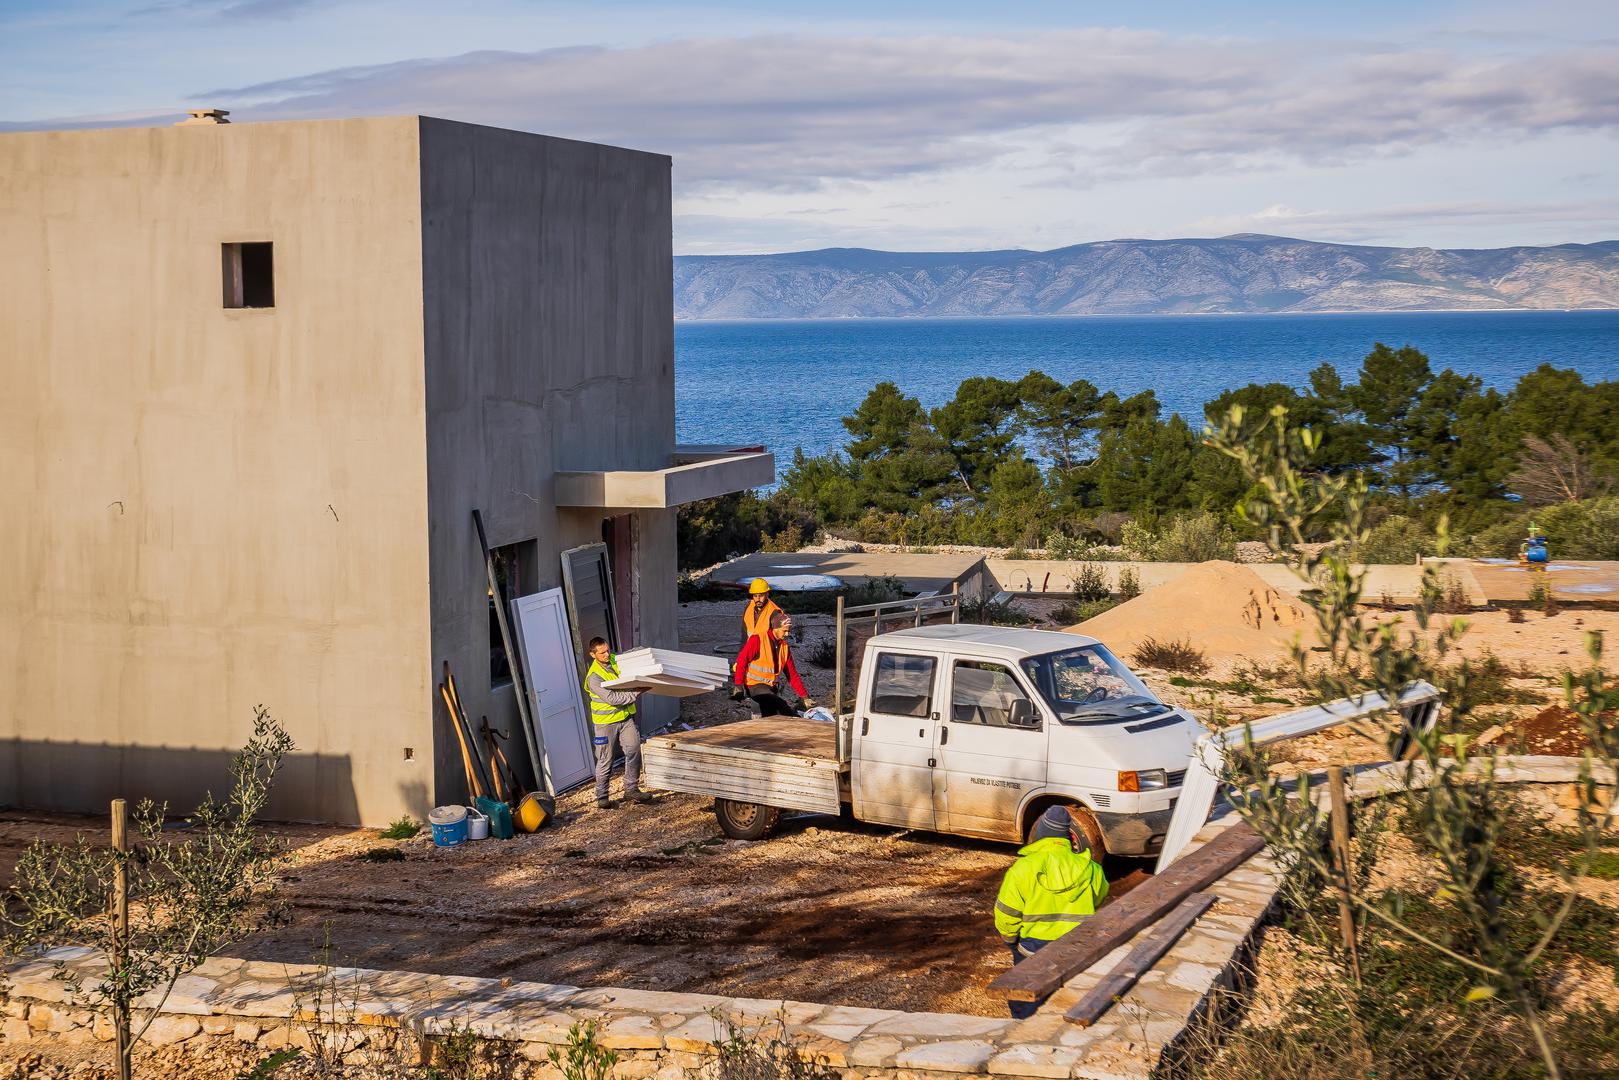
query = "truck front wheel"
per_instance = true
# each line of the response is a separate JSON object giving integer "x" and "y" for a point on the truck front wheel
{"x": 745, "y": 820}
{"x": 1087, "y": 825}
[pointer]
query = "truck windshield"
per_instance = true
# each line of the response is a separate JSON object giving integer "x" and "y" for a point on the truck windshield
{"x": 1088, "y": 684}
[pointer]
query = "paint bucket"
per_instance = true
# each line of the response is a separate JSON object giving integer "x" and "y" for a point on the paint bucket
{"x": 449, "y": 825}
{"x": 477, "y": 824}
{"x": 534, "y": 811}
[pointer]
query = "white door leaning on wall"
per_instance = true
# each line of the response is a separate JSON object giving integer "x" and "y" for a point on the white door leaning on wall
{"x": 556, "y": 699}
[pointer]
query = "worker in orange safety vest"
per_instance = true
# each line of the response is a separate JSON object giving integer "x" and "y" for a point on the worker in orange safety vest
{"x": 765, "y": 660}
{"x": 756, "y": 616}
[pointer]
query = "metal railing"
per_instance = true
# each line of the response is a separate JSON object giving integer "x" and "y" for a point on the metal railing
{"x": 886, "y": 616}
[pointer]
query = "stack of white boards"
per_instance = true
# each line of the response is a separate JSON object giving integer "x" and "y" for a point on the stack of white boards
{"x": 669, "y": 673}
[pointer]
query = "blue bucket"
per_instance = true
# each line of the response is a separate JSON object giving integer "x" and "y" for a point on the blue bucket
{"x": 449, "y": 825}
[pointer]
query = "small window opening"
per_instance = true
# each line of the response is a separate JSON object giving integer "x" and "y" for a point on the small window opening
{"x": 249, "y": 275}
{"x": 517, "y": 570}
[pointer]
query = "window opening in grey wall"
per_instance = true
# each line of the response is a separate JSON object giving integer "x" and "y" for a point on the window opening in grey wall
{"x": 517, "y": 570}
{"x": 249, "y": 272}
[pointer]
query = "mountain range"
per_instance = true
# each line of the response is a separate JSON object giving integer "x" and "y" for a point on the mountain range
{"x": 1242, "y": 273}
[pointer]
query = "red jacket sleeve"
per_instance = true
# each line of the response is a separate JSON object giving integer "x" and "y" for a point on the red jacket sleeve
{"x": 792, "y": 676}
{"x": 750, "y": 649}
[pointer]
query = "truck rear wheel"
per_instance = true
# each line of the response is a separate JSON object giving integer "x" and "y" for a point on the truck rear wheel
{"x": 745, "y": 820}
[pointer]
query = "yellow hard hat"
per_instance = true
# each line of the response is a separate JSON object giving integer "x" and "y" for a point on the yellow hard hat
{"x": 757, "y": 586}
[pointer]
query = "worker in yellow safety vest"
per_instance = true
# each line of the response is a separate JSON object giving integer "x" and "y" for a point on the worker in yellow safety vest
{"x": 756, "y": 616}
{"x": 1053, "y": 887}
{"x": 765, "y": 660}
{"x": 612, "y": 725}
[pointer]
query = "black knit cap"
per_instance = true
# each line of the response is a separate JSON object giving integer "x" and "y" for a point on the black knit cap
{"x": 1058, "y": 822}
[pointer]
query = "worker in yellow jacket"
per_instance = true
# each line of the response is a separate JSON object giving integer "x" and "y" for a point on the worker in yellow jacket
{"x": 1053, "y": 887}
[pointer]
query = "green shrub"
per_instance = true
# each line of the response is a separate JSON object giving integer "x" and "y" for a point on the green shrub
{"x": 769, "y": 1053}
{"x": 1063, "y": 546}
{"x": 983, "y": 611}
{"x": 1069, "y": 614}
{"x": 1499, "y": 540}
{"x": 1577, "y": 530}
{"x": 1090, "y": 583}
{"x": 790, "y": 538}
{"x": 1194, "y": 538}
{"x": 877, "y": 590}
{"x": 1582, "y": 530}
{"x": 1395, "y": 540}
{"x": 1129, "y": 583}
{"x": 585, "y": 1057}
{"x": 402, "y": 829}
{"x": 713, "y": 530}
{"x": 1170, "y": 656}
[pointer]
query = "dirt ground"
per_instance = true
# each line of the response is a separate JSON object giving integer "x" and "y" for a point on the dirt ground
{"x": 654, "y": 897}
{"x": 649, "y": 897}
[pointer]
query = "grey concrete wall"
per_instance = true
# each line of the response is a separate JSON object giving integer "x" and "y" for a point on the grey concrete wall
{"x": 207, "y": 508}
{"x": 548, "y": 318}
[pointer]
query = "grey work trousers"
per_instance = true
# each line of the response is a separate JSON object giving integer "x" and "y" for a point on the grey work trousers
{"x": 627, "y": 737}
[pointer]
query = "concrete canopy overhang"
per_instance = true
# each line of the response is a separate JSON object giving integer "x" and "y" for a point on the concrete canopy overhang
{"x": 693, "y": 473}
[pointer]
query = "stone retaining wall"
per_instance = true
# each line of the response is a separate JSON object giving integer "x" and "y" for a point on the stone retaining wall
{"x": 380, "y": 1018}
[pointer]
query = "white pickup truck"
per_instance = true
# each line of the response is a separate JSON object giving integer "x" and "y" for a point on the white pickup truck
{"x": 973, "y": 730}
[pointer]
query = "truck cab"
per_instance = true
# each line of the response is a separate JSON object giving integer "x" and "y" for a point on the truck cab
{"x": 976, "y": 730}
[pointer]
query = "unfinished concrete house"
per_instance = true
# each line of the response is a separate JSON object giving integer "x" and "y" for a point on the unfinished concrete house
{"x": 257, "y": 378}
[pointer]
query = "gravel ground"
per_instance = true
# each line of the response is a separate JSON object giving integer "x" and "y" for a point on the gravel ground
{"x": 653, "y": 897}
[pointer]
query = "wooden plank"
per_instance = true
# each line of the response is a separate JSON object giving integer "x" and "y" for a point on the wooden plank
{"x": 1114, "y": 924}
{"x": 1139, "y": 960}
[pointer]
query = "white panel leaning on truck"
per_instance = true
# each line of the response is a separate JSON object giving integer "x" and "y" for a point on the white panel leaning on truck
{"x": 973, "y": 730}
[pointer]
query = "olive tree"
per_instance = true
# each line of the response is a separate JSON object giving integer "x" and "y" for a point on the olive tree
{"x": 1449, "y": 793}
{"x": 159, "y": 904}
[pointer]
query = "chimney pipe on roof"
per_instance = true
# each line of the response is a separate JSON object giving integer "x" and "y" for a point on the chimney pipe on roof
{"x": 205, "y": 116}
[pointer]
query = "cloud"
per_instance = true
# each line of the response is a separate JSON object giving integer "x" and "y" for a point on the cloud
{"x": 793, "y": 111}
{"x": 230, "y": 9}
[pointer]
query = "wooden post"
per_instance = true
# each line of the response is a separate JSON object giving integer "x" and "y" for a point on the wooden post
{"x": 840, "y": 647}
{"x": 120, "y": 933}
{"x": 955, "y": 609}
{"x": 1341, "y": 862}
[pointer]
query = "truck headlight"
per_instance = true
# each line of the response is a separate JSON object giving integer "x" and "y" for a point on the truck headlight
{"x": 1143, "y": 780}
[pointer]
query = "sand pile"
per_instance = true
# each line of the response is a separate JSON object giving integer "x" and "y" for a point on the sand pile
{"x": 1224, "y": 609}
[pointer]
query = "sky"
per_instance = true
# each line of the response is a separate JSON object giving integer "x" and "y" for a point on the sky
{"x": 931, "y": 126}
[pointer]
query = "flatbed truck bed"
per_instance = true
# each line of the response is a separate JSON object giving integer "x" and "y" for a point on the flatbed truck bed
{"x": 781, "y": 761}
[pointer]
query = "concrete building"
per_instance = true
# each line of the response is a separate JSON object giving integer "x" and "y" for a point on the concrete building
{"x": 257, "y": 377}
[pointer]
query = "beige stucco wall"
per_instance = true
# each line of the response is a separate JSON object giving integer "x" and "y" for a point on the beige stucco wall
{"x": 207, "y": 509}
{"x": 549, "y": 323}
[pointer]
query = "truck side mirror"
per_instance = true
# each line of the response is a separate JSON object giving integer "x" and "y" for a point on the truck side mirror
{"x": 1021, "y": 713}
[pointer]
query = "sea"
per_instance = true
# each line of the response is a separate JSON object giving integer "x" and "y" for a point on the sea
{"x": 788, "y": 383}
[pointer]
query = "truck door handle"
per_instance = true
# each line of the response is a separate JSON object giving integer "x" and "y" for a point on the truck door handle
{"x": 933, "y": 763}
{"x": 944, "y": 734}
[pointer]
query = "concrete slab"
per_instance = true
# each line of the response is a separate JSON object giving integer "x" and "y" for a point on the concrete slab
{"x": 1057, "y": 576}
{"x": 921, "y": 573}
{"x": 1568, "y": 580}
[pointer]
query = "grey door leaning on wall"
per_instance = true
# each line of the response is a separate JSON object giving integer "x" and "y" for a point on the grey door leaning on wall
{"x": 587, "y": 579}
{"x": 555, "y": 696}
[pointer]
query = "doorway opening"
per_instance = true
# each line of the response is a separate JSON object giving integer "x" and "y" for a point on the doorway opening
{"x": 622, "y": 535}
{"x": 517, "y": 569}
